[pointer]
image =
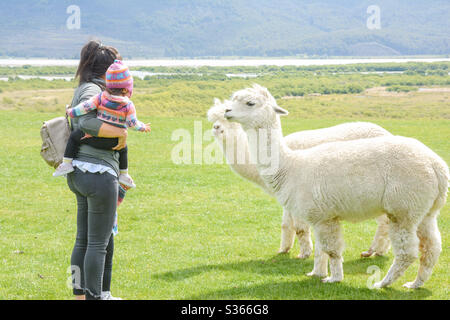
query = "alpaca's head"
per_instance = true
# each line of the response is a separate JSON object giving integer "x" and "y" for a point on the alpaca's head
{"x": 221, "y": 126}
{"x": 253, "y": 107}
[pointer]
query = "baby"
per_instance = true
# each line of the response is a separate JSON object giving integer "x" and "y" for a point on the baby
{"x": 114, "y": 107}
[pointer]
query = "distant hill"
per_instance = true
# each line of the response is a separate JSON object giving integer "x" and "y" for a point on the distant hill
{"x": 181, "y": 28}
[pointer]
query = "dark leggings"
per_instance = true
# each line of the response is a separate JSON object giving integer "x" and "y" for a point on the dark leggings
{"x": 96, "y": 202}
{"x": 107, "y": 274}
{"x": 76, "y": 138}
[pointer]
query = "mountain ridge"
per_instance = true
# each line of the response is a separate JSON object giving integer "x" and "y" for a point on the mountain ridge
{"x": 176, "y": 28}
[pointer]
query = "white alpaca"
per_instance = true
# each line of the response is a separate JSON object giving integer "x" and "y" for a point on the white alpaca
{"x": 350, "y": 180}
{"x": 225, "y": 132}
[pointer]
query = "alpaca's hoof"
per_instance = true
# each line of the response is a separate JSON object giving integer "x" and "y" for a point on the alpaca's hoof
{"x": 314, "y": 274}
{"x": 378, "y": 285}
{"x": 283, "y": 251}
{"x": 412, "y": 285}
{"x": 367, "y": 254}
{"x": 331, "y": 280}
{"x": 304, "y": 255}
{"x": 380, "y": 253}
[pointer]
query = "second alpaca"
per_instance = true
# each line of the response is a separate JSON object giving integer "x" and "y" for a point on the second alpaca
{"x": 233, "y": 139}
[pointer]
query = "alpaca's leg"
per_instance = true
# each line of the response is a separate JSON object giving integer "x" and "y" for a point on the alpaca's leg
{"x": 331, "y": 243}
{"x": 405, "y": 246}
{"x": 381, "y": 242}
{"x": 287, "y": 232}
{"x": 430, "y": 249}
{"x": 304, "y": 239}
{"x": 320, "y": 263}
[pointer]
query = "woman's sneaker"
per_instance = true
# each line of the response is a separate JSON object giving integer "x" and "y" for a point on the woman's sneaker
{"x": 125, "y": 179}
{"x": 63, "y": 169}
{"x": 106, "y": 295}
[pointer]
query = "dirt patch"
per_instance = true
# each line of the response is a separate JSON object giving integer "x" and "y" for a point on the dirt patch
{"x": 383, "y": 92}
{"x": 434, "y": 89}
{"x": 48, "y": 99}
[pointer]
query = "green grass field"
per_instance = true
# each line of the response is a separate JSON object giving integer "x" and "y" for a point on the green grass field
{"x": 195, "y": 231}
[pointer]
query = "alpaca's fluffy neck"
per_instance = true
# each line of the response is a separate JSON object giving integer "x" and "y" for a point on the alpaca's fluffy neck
{"x": 270, "y": 152}
{"x": 234, "y": 145}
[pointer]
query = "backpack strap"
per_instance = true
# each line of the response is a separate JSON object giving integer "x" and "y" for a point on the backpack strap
{"x": 69, "y": 121}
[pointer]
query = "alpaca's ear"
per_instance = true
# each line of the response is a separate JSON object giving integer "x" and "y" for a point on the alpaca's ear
{"x": 211, "y": 115}
{"x": 261, "y": 90}
{"x": 216, "y": 102}
{"x": 280, "y": 111}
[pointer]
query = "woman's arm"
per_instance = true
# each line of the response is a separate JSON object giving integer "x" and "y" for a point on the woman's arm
{"x": 110, "y": 131}
{"x": 88, "y": 122}
{"x": 97, "y": 128}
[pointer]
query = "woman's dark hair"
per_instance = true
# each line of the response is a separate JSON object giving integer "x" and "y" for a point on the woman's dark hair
{"x": 95, "y": 59}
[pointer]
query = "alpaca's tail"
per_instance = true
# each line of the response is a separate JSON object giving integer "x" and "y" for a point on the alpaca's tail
{"x": 443, "y": 175}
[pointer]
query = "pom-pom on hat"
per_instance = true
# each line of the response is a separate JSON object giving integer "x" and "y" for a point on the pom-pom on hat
{"x": 118, "y": 76}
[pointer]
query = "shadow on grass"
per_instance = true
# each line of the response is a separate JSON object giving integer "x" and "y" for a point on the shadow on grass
{"x": 310, "y": 289}
{"x": 281, "y": 264}
{"x": 306, "y": 288}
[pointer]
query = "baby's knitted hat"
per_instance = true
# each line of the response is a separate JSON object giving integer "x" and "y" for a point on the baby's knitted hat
{"x": 118, "y": 76}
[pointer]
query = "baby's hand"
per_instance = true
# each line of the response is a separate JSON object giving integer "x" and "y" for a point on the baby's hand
{"x": 69, "y": 112}
{"x": 147, "y": 127}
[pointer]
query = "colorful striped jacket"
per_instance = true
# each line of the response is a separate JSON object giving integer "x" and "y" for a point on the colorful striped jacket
{"x": 115, "y": 110}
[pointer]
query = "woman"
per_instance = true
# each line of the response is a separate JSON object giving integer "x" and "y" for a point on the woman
{"x": 94, "y": 182}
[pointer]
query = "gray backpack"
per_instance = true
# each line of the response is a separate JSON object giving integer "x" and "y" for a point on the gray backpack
{"x": 54, "y": 134}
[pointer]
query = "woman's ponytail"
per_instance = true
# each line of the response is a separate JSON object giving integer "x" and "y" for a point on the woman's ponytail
{"x": 95, "y": 59}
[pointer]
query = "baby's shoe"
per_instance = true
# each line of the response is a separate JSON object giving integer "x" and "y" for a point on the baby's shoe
{"x": 63, "y": 168}
{"x": 106, "y": 295}
{"x": 125, "y": 179}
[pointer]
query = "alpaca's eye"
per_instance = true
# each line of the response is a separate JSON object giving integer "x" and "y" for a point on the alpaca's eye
{"x": 250, "y": 104}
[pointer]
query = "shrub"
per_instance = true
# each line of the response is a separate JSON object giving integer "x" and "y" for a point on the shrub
{"x": 401, "y": 89}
